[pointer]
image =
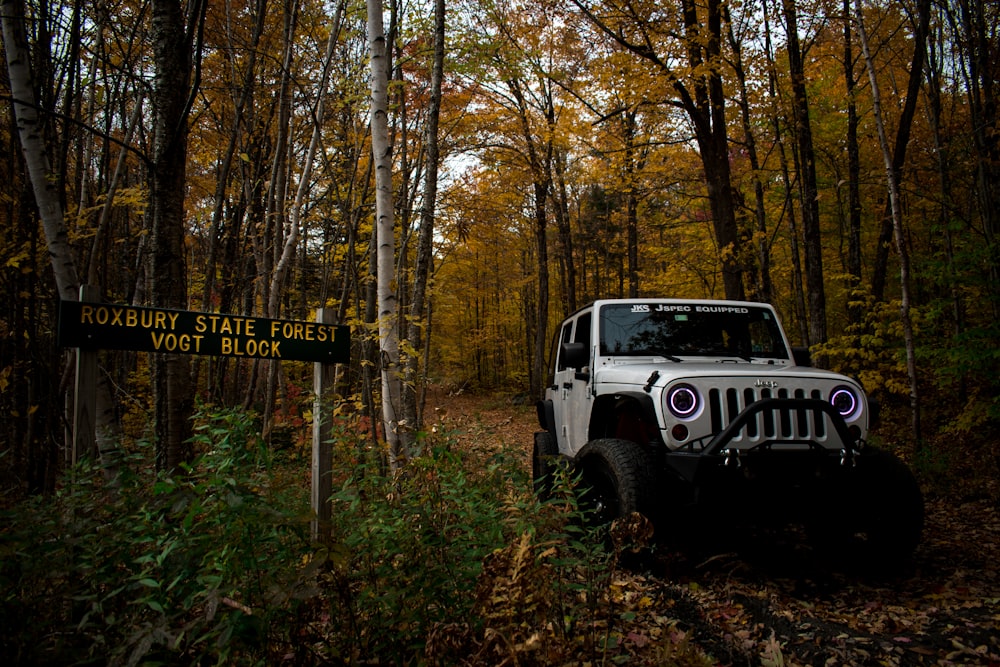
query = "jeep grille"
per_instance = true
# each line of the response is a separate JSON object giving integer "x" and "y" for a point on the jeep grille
{"x": 778, "y": 424}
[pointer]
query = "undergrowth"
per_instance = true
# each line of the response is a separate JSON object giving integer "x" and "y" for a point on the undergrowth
{"x": 448, "y": 562}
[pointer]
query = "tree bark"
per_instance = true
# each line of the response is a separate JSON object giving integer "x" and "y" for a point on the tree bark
{"x": 419, "y": 324}
{"x": 892, "y": 181}
{"x": 44, "y": 181}
{"x": 539, "y": 161}
{"x": 173, "y": 39}
{"x": 48, "y": 199}
{"x": 854, "y": 312}
{"x": 388, "y": 324}
{"x": 565, "y": 236}
{"x": 763, "y": 288}
{"x": 811, "y": 232}
{"x": 978, "y": 28}
{"x": 902, "y": 141}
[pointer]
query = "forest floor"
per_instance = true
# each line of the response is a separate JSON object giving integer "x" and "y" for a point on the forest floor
{"x": 773, "y": 602}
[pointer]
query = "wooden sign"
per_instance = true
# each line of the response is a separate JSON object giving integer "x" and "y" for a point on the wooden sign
{"x": 108, "y": 326}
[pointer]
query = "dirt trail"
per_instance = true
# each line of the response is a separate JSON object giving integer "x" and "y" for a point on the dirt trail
{"x": 774, "y": 602}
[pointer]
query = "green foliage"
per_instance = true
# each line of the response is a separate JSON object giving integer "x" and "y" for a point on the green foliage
{"x": 871, "y": 350}
{"x": 215, "y": 563}
{"x": 198, "y": 566}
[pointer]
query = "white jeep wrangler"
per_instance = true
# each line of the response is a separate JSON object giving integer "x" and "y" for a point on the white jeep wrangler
{"x": 692, "y": 408}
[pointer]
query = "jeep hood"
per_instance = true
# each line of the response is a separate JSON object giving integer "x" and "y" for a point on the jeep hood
{"x": 640, "y": 373}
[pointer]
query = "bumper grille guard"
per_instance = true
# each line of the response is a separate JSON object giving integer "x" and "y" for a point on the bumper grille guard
{"x": 786, "y": 421}
{"x": 690, "y": 462}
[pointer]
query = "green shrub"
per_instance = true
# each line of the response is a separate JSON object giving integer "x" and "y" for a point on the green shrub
{"x": 452, "y": 558}
{"x": 164, "y": 568}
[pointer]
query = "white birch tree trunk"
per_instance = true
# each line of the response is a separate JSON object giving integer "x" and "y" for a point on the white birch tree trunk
{"x": 43, "y": 183}
{"x": 388, "y": 306}
{"x": 29, "y": 127}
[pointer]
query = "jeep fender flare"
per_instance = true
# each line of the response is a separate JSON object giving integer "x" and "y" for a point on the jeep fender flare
{"x": 607, "y": 407}
{"x": 546, "y": 416}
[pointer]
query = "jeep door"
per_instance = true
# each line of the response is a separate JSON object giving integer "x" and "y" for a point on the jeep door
{"x": 571, "y": 398}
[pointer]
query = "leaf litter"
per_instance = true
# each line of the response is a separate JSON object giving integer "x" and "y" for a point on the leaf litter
{"x": 775, "y": 603}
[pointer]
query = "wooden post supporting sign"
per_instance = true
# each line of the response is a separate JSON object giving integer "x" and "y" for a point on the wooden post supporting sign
{"x": 85, "y": 392}
{"x": 324, "y": 378}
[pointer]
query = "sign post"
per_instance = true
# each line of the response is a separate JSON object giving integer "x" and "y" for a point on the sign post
{"x": 84, "y": 394}
{"x": 324, "y": 380}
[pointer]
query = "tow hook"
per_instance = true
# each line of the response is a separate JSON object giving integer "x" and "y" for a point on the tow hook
{"x": 847, "y": 458}
{"x": 732, "y": 458}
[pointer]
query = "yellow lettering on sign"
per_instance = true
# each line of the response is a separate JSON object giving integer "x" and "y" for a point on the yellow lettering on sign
{"x": 224, "y": 325}
{"x": 236, "y": 347}
{"x": 171, "y": 342}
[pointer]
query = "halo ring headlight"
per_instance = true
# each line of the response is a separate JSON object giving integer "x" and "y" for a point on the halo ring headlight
{"x": 683, "y": 401}
{"x": 845, "y": 401}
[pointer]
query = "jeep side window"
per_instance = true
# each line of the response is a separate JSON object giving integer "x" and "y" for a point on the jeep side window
{"x": 582, "y": 334}
{"x": 565, "y": 336}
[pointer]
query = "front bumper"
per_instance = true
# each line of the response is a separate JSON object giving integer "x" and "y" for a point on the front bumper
{"x": 775, "y": 431}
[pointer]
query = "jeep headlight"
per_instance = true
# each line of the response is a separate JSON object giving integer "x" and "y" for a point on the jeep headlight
{"x": 845, "y": 401}
{"x": 683, "y": 401}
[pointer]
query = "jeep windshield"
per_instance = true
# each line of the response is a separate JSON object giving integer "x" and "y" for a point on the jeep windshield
{"x": 675, "y": 330}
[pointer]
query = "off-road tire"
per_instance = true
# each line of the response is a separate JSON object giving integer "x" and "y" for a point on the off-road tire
{"x": 615, "y": 480}
{"x": 544, "y": 463}
{"x": 877, "y": 515}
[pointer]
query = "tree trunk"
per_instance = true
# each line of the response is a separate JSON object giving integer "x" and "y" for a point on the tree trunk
{"x": 419, "y": 323}
{"x": 271, "y": 240}
{"x": 978, "y": 29}
{"x": 539, "y": 159}
{"x": 565, "y": 235}
{"x": 631, "y": 204}
{"x": 388, "y": 324}
{"x": 763, "y": 288}
{"x": 880, "y": 271}
{"x": 945, "y": 154}
{"x": 704, "y": 102}
{"x": 708, "y": 114}
{"x": 892, "y": 181}
{"x": 854, "y": 312}
{"x": 44, "y": 181}
{"x": 811, "y": 232}
{"x": 172, "y": 48}
{"x": 49, "y": 202}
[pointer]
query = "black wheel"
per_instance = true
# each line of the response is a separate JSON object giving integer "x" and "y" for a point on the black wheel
{"x": 615, "y": 480}
{"x": 544, "y": 463}
{"x": 877, "y": 516}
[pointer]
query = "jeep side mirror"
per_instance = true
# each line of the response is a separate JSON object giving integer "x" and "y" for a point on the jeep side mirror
{"x": 574, "y": 355}
{"x": 801, "y": 356}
